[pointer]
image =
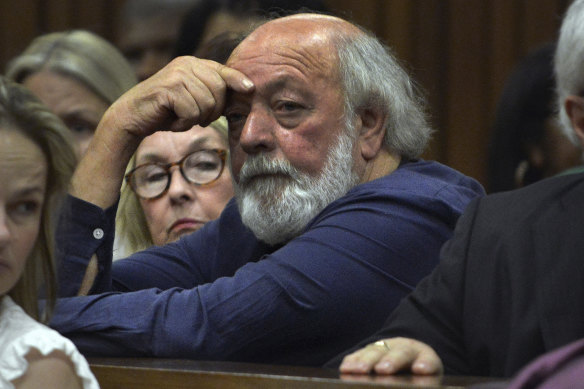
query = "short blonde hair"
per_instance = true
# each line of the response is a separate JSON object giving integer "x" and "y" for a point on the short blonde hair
{"x": 131, "y": 226}
{"x": 81, "y": 55}
{"x": 23, "y": 112}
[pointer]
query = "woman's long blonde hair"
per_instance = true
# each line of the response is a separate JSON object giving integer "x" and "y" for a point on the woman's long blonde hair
{"x": 21, "y": 111}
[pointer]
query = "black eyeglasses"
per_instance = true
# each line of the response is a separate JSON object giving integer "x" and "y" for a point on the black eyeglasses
{"x": 152, "y": 180}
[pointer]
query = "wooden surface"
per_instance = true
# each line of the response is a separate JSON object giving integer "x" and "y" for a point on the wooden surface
{"x": 134, "y": 373}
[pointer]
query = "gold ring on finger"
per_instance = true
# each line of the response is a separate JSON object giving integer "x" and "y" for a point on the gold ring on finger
{"x": 381, "y": 343}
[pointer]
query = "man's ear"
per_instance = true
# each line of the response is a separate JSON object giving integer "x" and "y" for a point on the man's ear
{"x": 371, "y": 131}
{"x": 574, "y": 106}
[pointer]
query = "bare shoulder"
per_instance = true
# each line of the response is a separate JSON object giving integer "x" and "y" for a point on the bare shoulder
{"x": 51, "y": 371}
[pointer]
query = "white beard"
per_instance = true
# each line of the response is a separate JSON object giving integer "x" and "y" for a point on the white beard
{"x": 278, "y": 208}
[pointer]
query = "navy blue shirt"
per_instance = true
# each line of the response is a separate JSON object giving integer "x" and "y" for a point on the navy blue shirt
{"x": 221, "y": 294}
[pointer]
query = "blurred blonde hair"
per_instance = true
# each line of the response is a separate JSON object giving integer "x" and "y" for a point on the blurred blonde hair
{"x": 21, "y": 111}
{"x": 131, "y": 226}
{"x": 81, "y": 55}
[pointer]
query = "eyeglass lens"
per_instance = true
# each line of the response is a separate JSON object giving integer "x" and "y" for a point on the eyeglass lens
{"x": 200, "y": 167}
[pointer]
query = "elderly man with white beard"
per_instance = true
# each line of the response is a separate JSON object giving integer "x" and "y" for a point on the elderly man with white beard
{"x": 335, "y": 217}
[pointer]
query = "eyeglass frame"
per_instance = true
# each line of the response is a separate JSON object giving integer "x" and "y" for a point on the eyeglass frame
{"x": 222, "y": 153}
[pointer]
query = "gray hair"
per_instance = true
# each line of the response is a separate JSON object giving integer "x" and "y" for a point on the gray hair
{"x": 81, "y": 55}
{"x": 569, "y": 63}
{"x": 372, "y": 77}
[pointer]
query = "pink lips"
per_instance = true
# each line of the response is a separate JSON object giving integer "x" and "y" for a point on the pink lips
{"x": 185, "y": 223}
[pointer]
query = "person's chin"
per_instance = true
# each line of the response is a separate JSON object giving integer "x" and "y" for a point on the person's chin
{"x": 176, "y": 235}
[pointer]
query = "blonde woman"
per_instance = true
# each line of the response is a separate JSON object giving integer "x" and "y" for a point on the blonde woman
{"x": 77, "y": 74}
{"x": 36, "y": 161}
{"x": 160, "y": 203}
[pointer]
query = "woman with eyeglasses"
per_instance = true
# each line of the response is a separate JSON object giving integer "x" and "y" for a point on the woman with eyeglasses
{"x": 175, "y": 183}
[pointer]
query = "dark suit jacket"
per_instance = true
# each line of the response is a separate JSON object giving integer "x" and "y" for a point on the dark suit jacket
{"x": 510, "y": 283}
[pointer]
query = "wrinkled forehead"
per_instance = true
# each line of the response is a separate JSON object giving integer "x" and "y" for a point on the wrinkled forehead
{"x": 307, "y": 41}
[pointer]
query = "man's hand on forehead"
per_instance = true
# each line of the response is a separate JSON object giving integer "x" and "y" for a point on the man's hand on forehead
{"x": 188, "y": 91}
{"x": 233, "y": 80}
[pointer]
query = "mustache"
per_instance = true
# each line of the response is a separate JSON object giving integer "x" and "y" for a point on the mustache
{"x": 257, "y": 165}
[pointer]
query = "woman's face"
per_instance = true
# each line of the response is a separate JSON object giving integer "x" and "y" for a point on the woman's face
{"x": 184, "y": 207}
{"x": 23, "y": 174}
{"x": 72, "y": 101}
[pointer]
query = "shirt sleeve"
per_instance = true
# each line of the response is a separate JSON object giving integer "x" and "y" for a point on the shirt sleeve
{"x": 84, "y": 230}
{"x": 432, "y": 313}
{"x": 21, "y": 334}
{"x": 15, "y": 363}
{"x": 323, "y": 291}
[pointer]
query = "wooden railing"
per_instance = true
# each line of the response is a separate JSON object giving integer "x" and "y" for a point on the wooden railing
{"x": 138, "y": 373}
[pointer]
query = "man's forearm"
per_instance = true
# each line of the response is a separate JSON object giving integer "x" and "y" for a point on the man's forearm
{"x": 186, "y": 92}
{"x": 100, "y": 172}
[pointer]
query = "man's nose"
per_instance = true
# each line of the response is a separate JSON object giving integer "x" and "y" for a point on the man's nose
{"x": 257, "y": 134}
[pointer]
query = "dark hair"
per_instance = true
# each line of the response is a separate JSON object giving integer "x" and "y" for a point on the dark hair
{"x": 526, "y": 103}
{"x": 195, "y": 21}
{"x": 219, "y": 47}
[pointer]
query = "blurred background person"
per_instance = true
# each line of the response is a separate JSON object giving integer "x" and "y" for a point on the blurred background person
{"x": 219, "y": 47}
{"x": 158, "y": 203}
{"x": 527, "y": 142}
{"x": 147, "y": 31}
{"x": 77, "y": 74}
{"x": 36, "y": 162}
{"x": 209, "y": 18}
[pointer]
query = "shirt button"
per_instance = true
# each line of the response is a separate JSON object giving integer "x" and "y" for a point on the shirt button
{"x": 98, "y": 233}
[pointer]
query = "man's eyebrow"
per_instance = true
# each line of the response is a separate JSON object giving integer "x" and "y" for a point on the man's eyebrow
{"x": 279, "y": 82}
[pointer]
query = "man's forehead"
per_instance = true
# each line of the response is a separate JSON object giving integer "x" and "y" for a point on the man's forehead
{"x": 299, "y": 32}
{"x": 309, "y": 54}
{"x": 302, "y": 60}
